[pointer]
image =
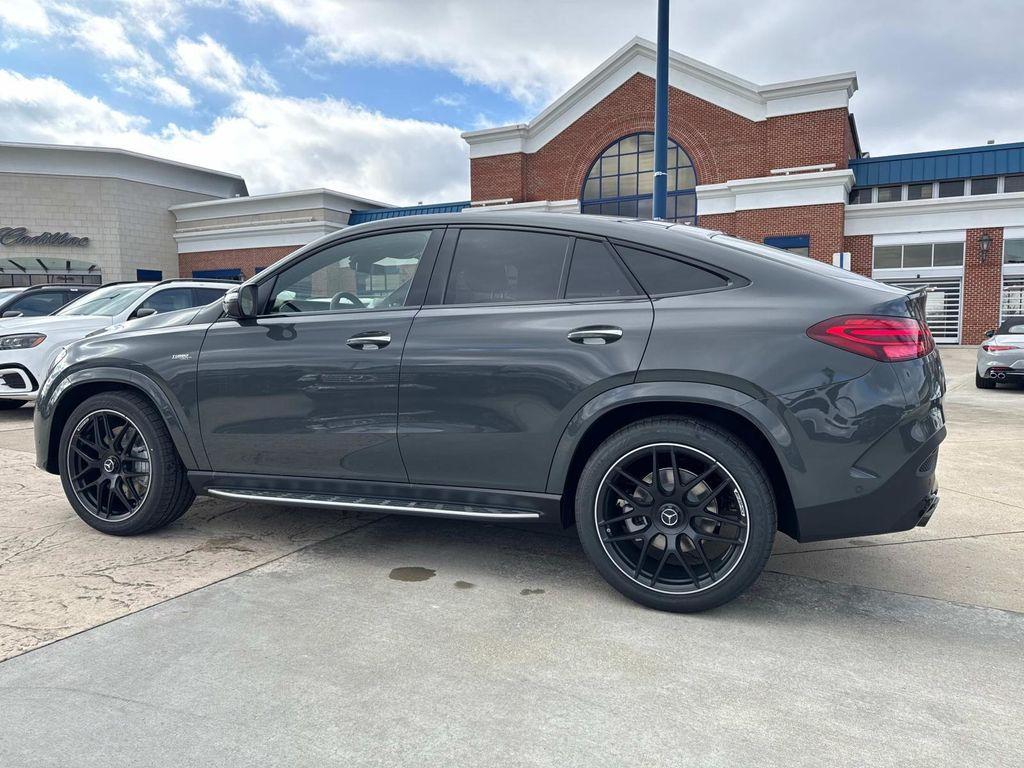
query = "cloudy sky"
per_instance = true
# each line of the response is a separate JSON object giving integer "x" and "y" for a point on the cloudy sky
{"x": 369, "y": 96}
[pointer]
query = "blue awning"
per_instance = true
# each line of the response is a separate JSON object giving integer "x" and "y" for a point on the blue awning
{"x": 990, "y": 160}
{"x": 361, "y": 217}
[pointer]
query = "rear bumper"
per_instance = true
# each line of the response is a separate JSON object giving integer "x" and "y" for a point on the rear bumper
{"x": 907, "y": 499}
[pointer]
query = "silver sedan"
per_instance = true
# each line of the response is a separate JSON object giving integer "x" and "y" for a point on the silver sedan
{"x": 1001, "y": 355}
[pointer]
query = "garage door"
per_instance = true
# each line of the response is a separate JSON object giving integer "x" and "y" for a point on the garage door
{"x": 942, "y": 306}
{"x": 1013, "y": 296}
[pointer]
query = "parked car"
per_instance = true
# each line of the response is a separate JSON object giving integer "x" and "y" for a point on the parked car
{"x": 676, "y": 393}
{"x": 28, "y": 345}
{"x": 1001, "y": 355}
{"x": 38, "y": 300}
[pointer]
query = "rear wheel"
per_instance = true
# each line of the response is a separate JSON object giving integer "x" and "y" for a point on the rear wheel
{"x": 676, "y": 514}
{"x": 982, "y": 383}
{"x": 119, "y": 467}
{"x": 10, "y": 405}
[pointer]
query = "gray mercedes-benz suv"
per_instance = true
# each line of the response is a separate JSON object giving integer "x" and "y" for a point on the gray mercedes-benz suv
{"x": 677, "y": 394}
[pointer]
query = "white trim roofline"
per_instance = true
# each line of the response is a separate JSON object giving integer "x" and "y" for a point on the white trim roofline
{"x": 276, "y": 202}
{"x": 818, "y": 188}
{"x": 750, "y": 100}
{"x": 109, "y": 162}
{"x": 935, "y": 214}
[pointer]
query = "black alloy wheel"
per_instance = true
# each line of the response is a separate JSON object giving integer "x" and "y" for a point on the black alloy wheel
{"x": 109, "y": 462}
{"x": 671, "y": 518}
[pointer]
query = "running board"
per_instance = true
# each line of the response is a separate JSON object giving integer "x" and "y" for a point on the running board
{"x": 428, "y": 508}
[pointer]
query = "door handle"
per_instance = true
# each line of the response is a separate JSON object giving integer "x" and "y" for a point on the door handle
{"x": 595, "y": 334}
{"x": 370, "y": 340}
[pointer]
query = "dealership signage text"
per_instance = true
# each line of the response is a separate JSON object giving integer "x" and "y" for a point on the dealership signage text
{"x": 20, "y": 236}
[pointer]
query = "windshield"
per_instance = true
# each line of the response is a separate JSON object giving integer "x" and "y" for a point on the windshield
{"x": 6, "y": 293}
{"x": 106, "y": 301}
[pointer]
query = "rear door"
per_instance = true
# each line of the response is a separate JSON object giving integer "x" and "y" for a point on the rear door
{"x": 310, "y": 387}
{"x": 520, "y": 330}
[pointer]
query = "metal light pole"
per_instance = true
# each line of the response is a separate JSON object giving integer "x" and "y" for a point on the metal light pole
{"x": 661, "y": 115}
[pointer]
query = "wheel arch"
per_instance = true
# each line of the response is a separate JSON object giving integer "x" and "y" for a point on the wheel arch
{"x": 76, "y": 389}
{"x": 733, "y": 412}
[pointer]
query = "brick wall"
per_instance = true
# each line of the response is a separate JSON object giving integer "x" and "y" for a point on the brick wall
{"x": 823, "y": 223}
{"x": 982, "y": 285}
{"x": 721, "y": 144}
{"x": 246, "y": 259}
{"x": 860, "y": 249}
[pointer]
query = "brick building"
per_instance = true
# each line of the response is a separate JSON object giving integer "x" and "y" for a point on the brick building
{"x": 779, "y": 164}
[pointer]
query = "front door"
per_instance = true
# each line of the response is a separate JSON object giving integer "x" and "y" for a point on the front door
{"x": 310, "y": 387}
{"x": 525, "y": 328}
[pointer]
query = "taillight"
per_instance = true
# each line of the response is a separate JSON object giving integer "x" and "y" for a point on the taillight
{"x": 998, "y": 347}
{"x": 889, "y": 339}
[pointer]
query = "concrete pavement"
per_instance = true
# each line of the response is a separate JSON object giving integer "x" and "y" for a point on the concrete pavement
{"x": 894, "y": 650}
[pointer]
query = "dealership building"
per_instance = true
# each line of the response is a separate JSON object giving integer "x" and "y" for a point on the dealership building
{"x": 779, "y": 163}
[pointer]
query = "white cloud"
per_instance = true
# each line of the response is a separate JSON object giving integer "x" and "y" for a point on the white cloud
{"x": 277, "y": 143}
{"x": 103, "y": 36}
{"x": 210, "y": 64}
{"x": 155, "y": 87}
{"x": 450, "y": 99}
{"x": 26, "y": 16}
{"x": 915, "y": 77}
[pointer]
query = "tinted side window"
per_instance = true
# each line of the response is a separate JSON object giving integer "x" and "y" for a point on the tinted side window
{"x": 661, "y": 275}
{"x": 595, "y": 273}
{"x": 36, "y": 304}
{"x": 368, "y": 273}
{"x": 204, "y": 296}
{"x": 501, "y": 265}
{"x": 169, "y": 300}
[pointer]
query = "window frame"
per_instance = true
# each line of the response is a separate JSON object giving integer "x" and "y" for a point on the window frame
{"x": 438, "y": 289}
{"x": 266, "y": 279}
{"x": 931, "y": 245}
{"x": 732, "y": 280}
{"x": 618, "y": 199}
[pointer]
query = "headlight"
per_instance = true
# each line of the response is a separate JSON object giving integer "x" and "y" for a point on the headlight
{"x": 22, "y": 341}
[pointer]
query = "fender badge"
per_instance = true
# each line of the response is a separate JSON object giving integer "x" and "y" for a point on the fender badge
{"x": 182, "y": 356}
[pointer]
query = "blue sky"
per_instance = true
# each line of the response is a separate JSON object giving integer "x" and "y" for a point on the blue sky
{"x": 370, "y": 96}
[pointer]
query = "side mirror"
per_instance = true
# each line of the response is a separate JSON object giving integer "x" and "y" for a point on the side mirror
{"x": 143, "y": 312}
{"x": 12, "y": 313}
{"x": 241, "y": 304}
{"x": 989, "y": 334}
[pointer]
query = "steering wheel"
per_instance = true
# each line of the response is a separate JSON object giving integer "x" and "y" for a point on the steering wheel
{"x": 351, "y": 298}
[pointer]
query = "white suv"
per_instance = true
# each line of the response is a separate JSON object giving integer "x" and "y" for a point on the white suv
{"x": 29, "y": 344}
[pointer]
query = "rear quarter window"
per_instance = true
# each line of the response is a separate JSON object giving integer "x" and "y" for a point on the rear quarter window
{"x": 661, "y": 275}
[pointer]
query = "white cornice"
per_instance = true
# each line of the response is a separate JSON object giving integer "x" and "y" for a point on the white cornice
{"x": 256, "y": 236}
{"x": 935, "y": 215}
{"x": 752, "y": 101}
{"x": 821, "y": 188}
{"x": 279, "y": 202}
{"x": 105, "y": 162}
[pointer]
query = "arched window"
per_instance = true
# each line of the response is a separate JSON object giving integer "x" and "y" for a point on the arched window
{"x": 621, "y": 181}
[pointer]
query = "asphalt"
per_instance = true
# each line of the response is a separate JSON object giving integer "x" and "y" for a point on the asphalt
{"x": 270, "y": 637}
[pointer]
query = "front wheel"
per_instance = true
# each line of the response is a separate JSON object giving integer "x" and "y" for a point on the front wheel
{"x": 119, "y": 467}
{"x": 676, "y": 514}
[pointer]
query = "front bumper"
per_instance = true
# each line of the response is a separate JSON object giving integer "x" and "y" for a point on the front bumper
{"x": 17, "y": 383}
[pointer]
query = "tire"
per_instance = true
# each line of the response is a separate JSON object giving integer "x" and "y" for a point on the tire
{"x": 982, "y": 383}
{"x": 674, "y": 578}
{"x": 10, "y": 405}
{"x": 140, "y": 494}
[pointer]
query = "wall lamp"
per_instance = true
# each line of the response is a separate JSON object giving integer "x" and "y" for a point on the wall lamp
{"x": 984, "y": 241}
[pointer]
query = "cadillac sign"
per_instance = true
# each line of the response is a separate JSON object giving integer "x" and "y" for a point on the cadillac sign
{"x": 20, "y": 236}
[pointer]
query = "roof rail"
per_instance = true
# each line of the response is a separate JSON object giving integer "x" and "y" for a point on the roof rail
{"x": 200, "y": 280}
{"x": 39, "y": 286}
